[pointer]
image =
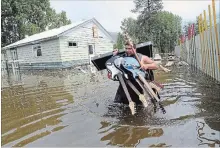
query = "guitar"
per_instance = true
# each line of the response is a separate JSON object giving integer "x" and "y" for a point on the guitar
{"x": 132, "y": 66}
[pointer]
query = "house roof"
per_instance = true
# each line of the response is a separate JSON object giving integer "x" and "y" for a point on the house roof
{"x": 53, "y": 33}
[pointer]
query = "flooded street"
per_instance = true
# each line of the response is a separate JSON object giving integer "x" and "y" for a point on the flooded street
{"x": 65, "y": 108}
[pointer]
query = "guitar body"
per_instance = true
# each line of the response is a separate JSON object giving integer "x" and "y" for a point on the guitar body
{"x": 132, "y": 67}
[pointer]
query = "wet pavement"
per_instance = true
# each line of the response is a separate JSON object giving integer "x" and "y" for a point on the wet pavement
{"x": 67, "y": 108}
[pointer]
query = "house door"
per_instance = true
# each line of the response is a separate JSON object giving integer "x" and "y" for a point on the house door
{"x": 14, "y": 56}
{"x": 91, "y": 48}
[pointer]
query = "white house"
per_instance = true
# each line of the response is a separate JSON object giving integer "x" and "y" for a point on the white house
{"x": 62, "y": 47}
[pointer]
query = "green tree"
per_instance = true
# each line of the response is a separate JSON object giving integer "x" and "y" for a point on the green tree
{"x": 130, "y": 26}
{"x": 147, "y": 10}
{"x": 22, "y": 17}
{"x": 164, "y": 32}
{"x": 57, "y": 20}
{"x": 120, "y": 41}
{"x": 153, "y": 24}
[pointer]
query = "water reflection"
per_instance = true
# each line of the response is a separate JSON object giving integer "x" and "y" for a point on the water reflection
{"x": 11, "y": 77}
{"x": 32, "y": 110}
{"x": 205, "y": 137}
{"x": 209, "y": 128}
{"x": 186, "y": 98}
{"x": 160, "y": 145}
{"x": 40, "y": 103}
{"x": 128, "y": 136}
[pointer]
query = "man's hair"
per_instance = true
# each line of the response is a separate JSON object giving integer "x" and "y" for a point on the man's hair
{"x": 129, "y": 43}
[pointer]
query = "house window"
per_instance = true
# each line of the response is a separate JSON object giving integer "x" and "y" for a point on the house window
{"x": 72, "y": 44}
{"x": 39, "y": 53}
{"x": 14, "y": 54}
{"x": 95, "y": 32}
{"x": 37, "y": 50}
{"x": 91, "y": 49}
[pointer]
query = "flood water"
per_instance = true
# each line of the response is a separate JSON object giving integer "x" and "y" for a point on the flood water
{"x": 67, "y": 108}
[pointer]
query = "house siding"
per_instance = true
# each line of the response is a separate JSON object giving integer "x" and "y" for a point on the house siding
{"x": 83, "y": 36}
{"x": 49, "y": 49}
{"x": 50, "y": 55}
{"x": 56, "y": 53}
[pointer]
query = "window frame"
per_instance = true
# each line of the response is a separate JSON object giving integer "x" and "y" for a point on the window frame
{"x": 72, "y": 43}
{"x": 93, "y": 48}
{"x": 34, "y": 50}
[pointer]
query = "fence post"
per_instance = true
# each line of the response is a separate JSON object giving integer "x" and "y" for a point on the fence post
{"x": 216, "y": 36}
{"x": 212, "y": 49}
{"x": 207, "y": 57}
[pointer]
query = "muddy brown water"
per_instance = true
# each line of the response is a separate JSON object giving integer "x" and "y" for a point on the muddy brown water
{"x": 66, "y": 108}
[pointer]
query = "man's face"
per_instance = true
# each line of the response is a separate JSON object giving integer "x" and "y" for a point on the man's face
{"x": 128, "y": 50}
{"x": 115, "y": 51}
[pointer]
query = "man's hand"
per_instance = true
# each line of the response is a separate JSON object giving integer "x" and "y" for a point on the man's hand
{"x": 150, "y": 64}
{"x": 144, "y": 66}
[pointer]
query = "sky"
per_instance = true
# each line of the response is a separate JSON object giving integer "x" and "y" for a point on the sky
{"x": 111, "y": 13}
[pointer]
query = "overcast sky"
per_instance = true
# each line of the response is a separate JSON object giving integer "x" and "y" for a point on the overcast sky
{"x": 111, "y": 13}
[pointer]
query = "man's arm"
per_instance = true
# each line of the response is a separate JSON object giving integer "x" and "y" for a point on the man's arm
{"x": 147, "y": 63}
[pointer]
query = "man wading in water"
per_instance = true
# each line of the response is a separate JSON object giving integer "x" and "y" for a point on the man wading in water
{"x": 146, "y": 64}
